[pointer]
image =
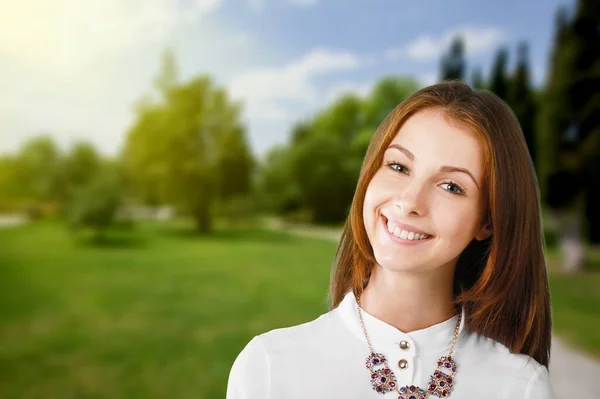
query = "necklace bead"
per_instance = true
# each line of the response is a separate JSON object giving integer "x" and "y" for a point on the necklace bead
{"x": 384, "y": 380}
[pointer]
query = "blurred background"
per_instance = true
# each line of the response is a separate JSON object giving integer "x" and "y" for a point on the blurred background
{"x": 174, "y": 175}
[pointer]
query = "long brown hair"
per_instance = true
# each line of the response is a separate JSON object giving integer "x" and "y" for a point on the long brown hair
{"x": 501, "y": 281}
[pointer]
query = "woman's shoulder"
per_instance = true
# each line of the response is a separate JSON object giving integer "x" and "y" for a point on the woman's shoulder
{"x": 252, "y": 367}
{"x": 523, "y": 374}
{"x": 299, "y": 333}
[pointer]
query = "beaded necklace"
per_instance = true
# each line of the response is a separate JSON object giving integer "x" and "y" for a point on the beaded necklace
{"x": 383, "y": 379}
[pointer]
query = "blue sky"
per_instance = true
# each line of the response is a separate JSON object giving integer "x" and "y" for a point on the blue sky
{"x": 75, "y": 68}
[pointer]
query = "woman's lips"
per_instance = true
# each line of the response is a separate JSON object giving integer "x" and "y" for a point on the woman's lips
{"x": 398, "y": 239}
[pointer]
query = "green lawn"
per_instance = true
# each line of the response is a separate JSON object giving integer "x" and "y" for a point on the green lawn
{"x": 162, "y": 313}
{"x": 162, "y": 316}
{"x": 576, "y": 304}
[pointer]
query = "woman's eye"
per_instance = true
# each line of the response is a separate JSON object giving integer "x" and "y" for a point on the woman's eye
{"x": 398, "y": 167}
{"x": 458, "y": 189}
{"x": 453, "y": 187}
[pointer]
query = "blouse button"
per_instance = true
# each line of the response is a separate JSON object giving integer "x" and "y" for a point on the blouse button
{"x": 403, "y": 363}
{"x": 404, "y": 345}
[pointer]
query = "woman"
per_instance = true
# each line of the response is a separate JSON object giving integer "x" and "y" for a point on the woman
{"x": 439, "y": 284}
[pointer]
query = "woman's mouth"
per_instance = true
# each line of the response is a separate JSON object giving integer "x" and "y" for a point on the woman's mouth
{"x": 401, "y": 235}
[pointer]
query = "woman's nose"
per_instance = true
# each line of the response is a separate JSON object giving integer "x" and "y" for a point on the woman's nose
{"x": 412, "y": 199}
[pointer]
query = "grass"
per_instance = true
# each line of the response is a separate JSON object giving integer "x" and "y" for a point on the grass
{"x": 160, "y": 316}
{"x": 576, "y": 303}
{"x": 162, "y": 312}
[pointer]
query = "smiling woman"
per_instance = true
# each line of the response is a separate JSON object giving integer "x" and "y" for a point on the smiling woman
{"x": 439, "y": 284}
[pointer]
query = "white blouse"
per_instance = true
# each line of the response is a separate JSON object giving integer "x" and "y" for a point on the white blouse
{"x": 325, "y": 358}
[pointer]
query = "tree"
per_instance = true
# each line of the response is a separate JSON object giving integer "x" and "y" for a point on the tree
{"x": 477, "y": 78}
{"x": 37, "y": 168}
{"x": 453, "y": 64}
{"x": 276, "y": 187}
{"x": 563, "y": 142}
{"x": 188, "y": 148}
{"x": 522, "y": 101}
{"x": 79, "y": 166}
{"x": 95, "y": 203}
{"x": 385, "y": 96}
{"x": 499, "y": 78}
{"x": 11, "y": 191}
{"x": 326, "y": 177}
{"x": 319, "y": 171}
{"x": 584, "y": 97}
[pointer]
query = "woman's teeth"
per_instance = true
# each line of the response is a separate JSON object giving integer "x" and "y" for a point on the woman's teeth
{"x": 403, "y": 234}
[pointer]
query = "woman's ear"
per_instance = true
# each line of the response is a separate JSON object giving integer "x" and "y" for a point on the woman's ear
{"x": 484, "y": 232}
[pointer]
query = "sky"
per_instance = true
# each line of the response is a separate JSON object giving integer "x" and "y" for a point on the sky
{"x": 75, "y": 68}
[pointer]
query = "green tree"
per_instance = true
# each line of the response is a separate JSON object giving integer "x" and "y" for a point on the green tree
{"x": 385, "y": 96}
{"x": 79, "y": 166}
{"x": 584, "y": 97}
{"x": 477, "y": 78}
{"x": 276, "y": 186}
{"x": 326, "y": 176}
{"x": 182, "y": 148}
{"x": 522, "y": 100}
{"x": 37, "y": 168}
{"x": 318, "y": 172}
{"x": 453, "y": 63}
{"x": 556, "y": 109}
{"x": 95, "y": 202}
{"x": 499, "y": 78}
{"x": 11, "y": 190}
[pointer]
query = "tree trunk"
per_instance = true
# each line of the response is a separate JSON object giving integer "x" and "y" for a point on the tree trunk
{"x": 571, "y": 238}
{"x": 202, "y": 218}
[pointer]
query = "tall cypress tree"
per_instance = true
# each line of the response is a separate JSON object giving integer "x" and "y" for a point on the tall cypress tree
{"x": 499, "y": 78}
{"x": 453, "y": 64}
{"x": 521, "y": 99}
{"x": 556, "y": 110}
{"x": 585, "y": 99}
{"x": 477, "y": 78}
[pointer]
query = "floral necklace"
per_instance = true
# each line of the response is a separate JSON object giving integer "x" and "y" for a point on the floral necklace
{"x": 383, "y": 379}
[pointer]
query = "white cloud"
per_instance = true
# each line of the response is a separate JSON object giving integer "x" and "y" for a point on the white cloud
{"x": 256, "y": 5}
{"x": 73, "y": 68}
{"x": 205, "y": 6}
{"x": 264, "y": 89}
{"x": 430, "y": 47}
{"x": 67, "y": 37}
{"x": 304, "y": 2}
{"x": 259, "y": 5}
{"x": 428, "y": 78}
{"x": 359, "y": 89}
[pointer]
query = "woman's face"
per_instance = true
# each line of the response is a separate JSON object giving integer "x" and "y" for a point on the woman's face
{"x": 419, "y": 189}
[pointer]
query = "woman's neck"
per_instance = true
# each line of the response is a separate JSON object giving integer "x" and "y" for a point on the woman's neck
{"x": 410, "y": 301}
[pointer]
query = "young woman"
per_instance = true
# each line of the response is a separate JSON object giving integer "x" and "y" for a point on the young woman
{"x": 439, "y": 284}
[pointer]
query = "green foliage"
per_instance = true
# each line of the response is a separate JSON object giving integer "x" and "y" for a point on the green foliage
{"x": 317, "y": 174}
{"x": 188, "y": 148}
{"x": 522, "y": 101}
{"x": 79, "y": 167}
{"x": 385, "y": 96}
{"x": 276, "y": 188}
{"x": 37, "y": 169}
{"x": 477, "y": 79}
{"x": 326, "y": 175}
{"x": 453, "y": 64}
{"x": 499, "y": 83}
{"x": 11, "y": 193}
{"x": 94, "y": 204}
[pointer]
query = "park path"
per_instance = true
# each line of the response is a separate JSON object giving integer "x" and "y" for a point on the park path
{"x": 573, "y": 374}
{"x": 10, "y": 220}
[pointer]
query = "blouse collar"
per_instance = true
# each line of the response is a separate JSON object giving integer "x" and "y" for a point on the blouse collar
{"x": 431, "y": 340}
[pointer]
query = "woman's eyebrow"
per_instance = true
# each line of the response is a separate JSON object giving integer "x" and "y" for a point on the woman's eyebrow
{"x": 444, "y": 168}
